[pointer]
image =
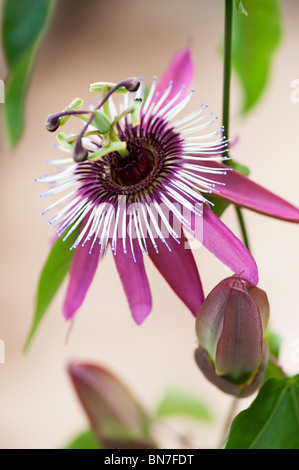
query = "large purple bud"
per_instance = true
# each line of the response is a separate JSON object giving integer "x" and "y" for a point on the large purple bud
{"x": 230, "y": 327}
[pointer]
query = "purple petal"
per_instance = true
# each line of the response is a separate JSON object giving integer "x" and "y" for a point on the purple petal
{"x": 220, "y": 241}
{"x": 180, "y": 70}
{"x": 82, "y": 271}
{"x": 134, "y": 280}
{"x": 179, "y": 269}
{"x": 244, "y": 192}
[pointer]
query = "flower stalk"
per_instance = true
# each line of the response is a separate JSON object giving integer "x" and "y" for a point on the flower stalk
{"x": 228, "y": 28}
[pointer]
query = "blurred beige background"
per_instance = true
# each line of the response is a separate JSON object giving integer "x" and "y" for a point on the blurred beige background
{"x": 91, "y": 41}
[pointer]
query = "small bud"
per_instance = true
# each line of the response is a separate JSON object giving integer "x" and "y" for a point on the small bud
{"x": 230, "y": 327}
{"x": 52, "y": 122}
{"x": 116, "y": 416}
{"x": 132, "y": 83}
{"x": 80, "y": 154}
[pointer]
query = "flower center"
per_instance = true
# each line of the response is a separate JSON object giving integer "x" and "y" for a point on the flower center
{"x": 135, "y": 167}
{"x": 136, "y": 171}
{"x": 152, "y": 156}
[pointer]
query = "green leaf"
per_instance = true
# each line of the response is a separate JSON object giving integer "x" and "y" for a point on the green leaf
{"x": 219, "y": 205}
{"x": 274, "y": 342}
{"x": 53, "y": 273}
{"x": 178, "y": 402}
{"x": 271, "y": 421}
{"x": 84, "y": 440}
{"x": 240, "y": 7}
{"x": 240, "y": 168}
{"x": 23, "y": 25}
{"x": 272, "y": 370}
{"x": 255, "y": 39}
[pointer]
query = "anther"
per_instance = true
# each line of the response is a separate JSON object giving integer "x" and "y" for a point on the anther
{"x": 52, "y": 122}
{"x": 131, "y": 84}
{"x": 80, "y": 154}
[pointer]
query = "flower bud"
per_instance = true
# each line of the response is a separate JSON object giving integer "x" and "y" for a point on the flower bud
{"x": 80, "y": 154}
{"x": 52, "y": 122}
{"x": 230, "y": 327}
{"x": 116, "y": 416}
{"x": 132, "y": 84}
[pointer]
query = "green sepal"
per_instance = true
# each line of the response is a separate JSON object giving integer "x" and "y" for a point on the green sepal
{"x": 99, "y": 86}
{"x": 101, "y": 122}
{"x": 112, "y": 147}
{"x": 75, "y": 104}
{"x": 63, "y": 140}
{"x": 135, "y": 115}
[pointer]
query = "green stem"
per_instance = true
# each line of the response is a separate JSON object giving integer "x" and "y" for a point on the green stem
{"x": 228, "y": 28}
{"x": 243, "y": 227}
{"x": 228, "y": 421}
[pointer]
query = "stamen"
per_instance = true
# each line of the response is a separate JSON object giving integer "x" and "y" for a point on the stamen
{"x": 171, "y": 102}
{"x": 130, "y": 237}
{"x": 179, "y": 107}
{"x": 137, "y": 231}
{"x": 178, "y": 197}
{"x": 52, "y": 123}
{"x": 113, "y": 242}
{"x": 59, "y": 201}
{"x": 163, "y": 98}
{"x": 150, "y": 95}
{"x": 198, "y": 128}
{"x": 131, "y": 84}
{"x": 85, "y": 228}
{"x": 158, "y": 231}
{"x": 148, "y": 228}
{"x": 183, "y": 122}
{"x": 75, "y": 225}
{"x": 141, "y": 228}
{"x": 172, "y": 207}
